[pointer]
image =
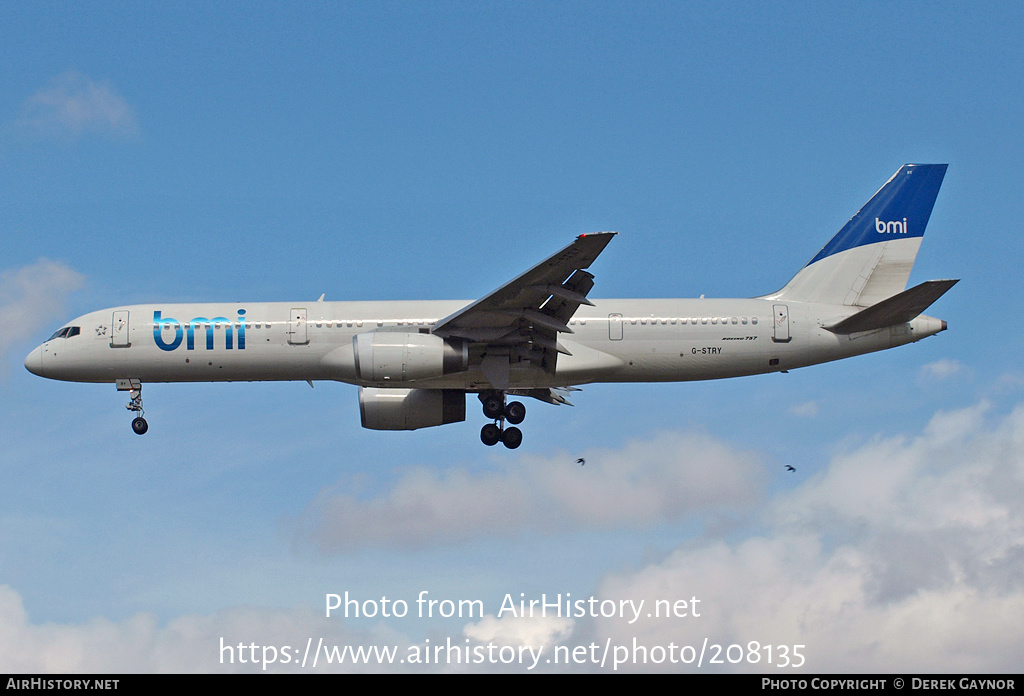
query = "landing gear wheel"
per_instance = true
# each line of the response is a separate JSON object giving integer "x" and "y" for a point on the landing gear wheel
{"x": 490, "y": 434}
{"x": 515, "y": 413}
{"x": 512, "y": 437}
{"x": 494, "y": 407}
{"x": 139, "y": 425}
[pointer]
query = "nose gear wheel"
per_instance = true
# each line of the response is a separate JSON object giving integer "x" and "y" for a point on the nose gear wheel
{"x": 139, "y": 424}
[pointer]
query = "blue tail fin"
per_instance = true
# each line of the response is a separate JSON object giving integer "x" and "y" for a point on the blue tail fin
{"x": 870, "y": 258}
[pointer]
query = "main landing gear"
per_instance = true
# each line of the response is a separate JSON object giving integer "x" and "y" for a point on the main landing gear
{"x": 134, "y": 388}
{"x": 496, "y": 409}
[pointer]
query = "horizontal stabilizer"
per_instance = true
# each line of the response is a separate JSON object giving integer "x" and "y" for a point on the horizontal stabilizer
{"x": 898, "y": 309}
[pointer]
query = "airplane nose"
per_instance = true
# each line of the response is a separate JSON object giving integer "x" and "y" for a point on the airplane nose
{"x": 34, "y": 361}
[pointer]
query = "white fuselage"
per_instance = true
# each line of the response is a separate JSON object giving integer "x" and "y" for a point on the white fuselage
{"x": 657, "y": 340}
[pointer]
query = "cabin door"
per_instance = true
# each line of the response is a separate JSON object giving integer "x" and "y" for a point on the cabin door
{"x": 615, "y": 327}
{"x": 297, "y": 335}
{"x": 781, "y": 334}
{"x": 119, "y": 329}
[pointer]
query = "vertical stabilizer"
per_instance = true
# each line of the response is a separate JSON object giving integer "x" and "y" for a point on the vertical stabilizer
{"x": 870, "y": 258}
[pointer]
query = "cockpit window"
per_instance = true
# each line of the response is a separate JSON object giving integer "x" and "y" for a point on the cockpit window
{"x": 66, "y": 332}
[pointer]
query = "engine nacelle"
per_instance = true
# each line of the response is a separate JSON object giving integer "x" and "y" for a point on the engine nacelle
{"x": 410, "y": 409}
{"x": 405, "y": 357}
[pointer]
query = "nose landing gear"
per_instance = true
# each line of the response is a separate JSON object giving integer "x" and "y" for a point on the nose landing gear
{"x": 134, "y": 388}
{"x": 496, "y": 409}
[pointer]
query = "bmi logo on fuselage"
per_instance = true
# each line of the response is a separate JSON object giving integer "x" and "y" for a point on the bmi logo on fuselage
{"x": 893, "y": 227}
{"x": 160, "y": 324}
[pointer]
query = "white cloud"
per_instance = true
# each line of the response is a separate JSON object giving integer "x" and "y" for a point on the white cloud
{"x": 520, "y": 630}
{"x": 32, "y": 298}
{"x": 669, "y": 477}
{"x": 941, "y": 369}
{"x": 218, "y": 642}
{"x": 74, "y": 104}
{"x": 907, "y": 554}
{"x": 808, "y": 409}
{"x": 1010, "y": 381}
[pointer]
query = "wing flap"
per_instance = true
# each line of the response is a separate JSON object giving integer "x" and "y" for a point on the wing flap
{"x": 555, "y": 396}
{"x": 521, "y": 320}
{"x": 530, "y": 290}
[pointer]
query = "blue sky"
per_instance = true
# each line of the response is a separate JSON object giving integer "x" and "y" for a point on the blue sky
{"x": 410, "y": 150}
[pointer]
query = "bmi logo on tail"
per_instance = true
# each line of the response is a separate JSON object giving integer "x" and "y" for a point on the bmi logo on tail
{"x": 894, "y": 227}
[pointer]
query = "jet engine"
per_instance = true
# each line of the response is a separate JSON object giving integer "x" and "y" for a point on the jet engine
{"x": 405, "y": 357}
{"x": 410, "y": 409}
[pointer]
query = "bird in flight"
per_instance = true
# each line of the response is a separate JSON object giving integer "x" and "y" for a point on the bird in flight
{"x": 789, "y": 467}
{"x": 581, "y": 461}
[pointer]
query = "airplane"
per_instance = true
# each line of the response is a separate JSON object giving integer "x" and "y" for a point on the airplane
{"x": 538, "y": 335}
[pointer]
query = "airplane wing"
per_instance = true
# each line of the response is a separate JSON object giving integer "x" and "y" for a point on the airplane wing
{"x": 521, "y": 320}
